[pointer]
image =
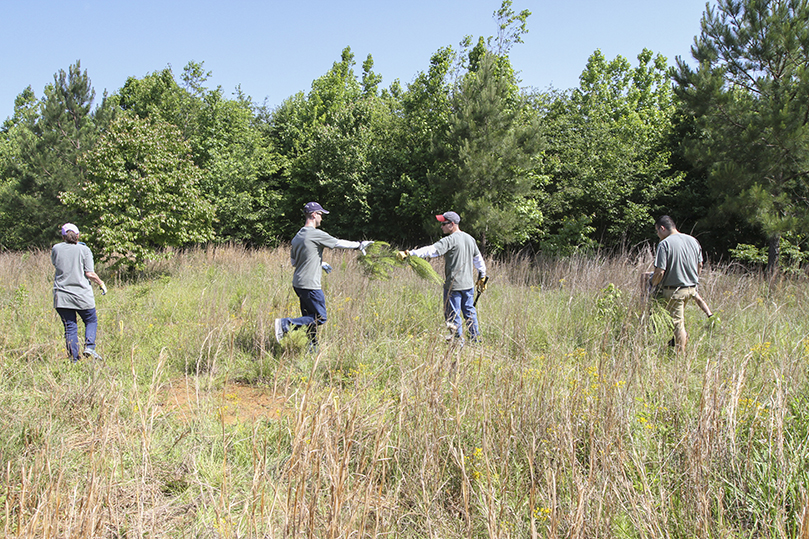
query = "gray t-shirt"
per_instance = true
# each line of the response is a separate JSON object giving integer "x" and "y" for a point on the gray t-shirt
{"x": 459, "y": 249}
{"x": 306, "y": 254}
{"x": 71, "y": 288}
{"x": 679, "y": 255}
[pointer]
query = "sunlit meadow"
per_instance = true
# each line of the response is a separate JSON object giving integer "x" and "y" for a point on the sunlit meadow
{"x": 572, "y": 418}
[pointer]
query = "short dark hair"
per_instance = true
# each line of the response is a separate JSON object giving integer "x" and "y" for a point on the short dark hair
{"x": 666, "y": 222}
{"x": 71, "y": 237}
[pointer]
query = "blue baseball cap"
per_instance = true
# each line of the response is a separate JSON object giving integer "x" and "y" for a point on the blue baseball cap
{"x": 313, "y": 207}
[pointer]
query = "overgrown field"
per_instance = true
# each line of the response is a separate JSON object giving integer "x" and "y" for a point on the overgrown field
{"x": 572, "y": 419}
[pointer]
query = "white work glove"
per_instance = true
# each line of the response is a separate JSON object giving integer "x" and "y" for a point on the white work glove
{"x": 326, "y": 267}
{"x": 103, "y": 288}
{"x": 364, "y": 245}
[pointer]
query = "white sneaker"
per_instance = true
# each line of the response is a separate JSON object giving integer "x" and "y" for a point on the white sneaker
{"x": 279, "y": 329}
{"x": 90, "y": 352}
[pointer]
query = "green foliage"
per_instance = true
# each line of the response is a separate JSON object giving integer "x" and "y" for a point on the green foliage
{"x": 510, "y": 27}
{"x": 237, "y": 161}
{"x": 790, "y": 257}
{"x": 423, "y": 269}
{"x": 238, "y": 166}
{"x": 608, "y": 156}
{"x": 326, "y": 137}
{"x": 44, "y": 141}
{"x": 380, "y": 258}
{"x": 572, "y": 237}
{"x": 491, "y": 146}
{"x": 142, "y": 193}
{"x": 749, "y": 254}
{"x": 378, "y": 261}
{"x": 419, "y": 144}
{"x": 748, "y": 100}
{"x": 563, "y": 170}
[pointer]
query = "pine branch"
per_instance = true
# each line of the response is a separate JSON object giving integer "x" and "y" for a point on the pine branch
{"x": 380, "y": 259}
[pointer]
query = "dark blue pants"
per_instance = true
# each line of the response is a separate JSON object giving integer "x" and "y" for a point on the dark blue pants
{"x": 88, "y": 316}
{"x": 313, "y": 313}
{"x": 460, "y": 302}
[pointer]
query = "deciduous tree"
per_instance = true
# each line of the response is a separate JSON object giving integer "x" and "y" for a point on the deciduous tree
{"x": 142, "y": 193}
{"x": 608, "y": 149}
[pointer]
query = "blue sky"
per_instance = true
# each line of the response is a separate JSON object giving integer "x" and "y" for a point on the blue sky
{"x": 274, "y": 49}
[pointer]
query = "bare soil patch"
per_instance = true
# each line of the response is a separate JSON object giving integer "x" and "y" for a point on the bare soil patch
{"x": 234, "y": 403}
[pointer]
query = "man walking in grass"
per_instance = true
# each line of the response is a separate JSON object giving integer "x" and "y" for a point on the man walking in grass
{"x": 461, "y": 258}
{"x": 72, "y": 293}
{"x": 678, "y": 262}
{"x": 306, "y": 255}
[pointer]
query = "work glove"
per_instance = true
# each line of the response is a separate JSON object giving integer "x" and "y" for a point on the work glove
{"x": 402, "y": 255}
{"x": 326, "y": 267}
{"x": 364, "y": 245}
{"x": 103, "y": 288}
{"x": 481, "y": 284}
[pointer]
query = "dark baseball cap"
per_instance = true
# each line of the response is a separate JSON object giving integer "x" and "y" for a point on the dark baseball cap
{"x": 313, "y": 207}
{"x": 450, "y": 216}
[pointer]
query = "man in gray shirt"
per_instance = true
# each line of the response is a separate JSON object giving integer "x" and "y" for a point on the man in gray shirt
{"x": 306, "y": 255}
{"x": 678, "y": 262}
{"x": 461, "y": 258}
{"x": 72, "y": 293}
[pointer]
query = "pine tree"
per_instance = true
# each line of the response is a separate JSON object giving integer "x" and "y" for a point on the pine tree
{"x": 749, "y": 98}
{"x": 47, "y": 163}
{"x": 492, "y": 144}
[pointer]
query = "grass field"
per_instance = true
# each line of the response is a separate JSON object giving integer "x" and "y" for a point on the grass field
{"x": 572, "y": 418}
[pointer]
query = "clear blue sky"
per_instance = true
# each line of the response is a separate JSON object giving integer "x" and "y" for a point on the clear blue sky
{"x": 275, "y": 48}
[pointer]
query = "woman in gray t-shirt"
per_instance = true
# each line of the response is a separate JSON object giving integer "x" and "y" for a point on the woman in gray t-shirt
{"x": 72, "y": 293}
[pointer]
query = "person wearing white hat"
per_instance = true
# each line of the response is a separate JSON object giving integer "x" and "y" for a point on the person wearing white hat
{"x": 306, "y": 255}
{"x": 72, "y": 292}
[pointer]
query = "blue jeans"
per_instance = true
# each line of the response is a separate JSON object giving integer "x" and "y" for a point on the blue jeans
{"x": 88, "y": 316}
{"x": 313, "y": 313}
{"x": 457, "y": 302}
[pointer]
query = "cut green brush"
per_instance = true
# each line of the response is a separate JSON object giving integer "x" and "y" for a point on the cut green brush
{"x": 380, "y": 258}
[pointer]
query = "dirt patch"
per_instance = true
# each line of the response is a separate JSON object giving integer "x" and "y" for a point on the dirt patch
{"x": 233, "y": 403}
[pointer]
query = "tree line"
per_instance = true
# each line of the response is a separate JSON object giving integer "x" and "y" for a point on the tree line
{"x": 722, "y": 147}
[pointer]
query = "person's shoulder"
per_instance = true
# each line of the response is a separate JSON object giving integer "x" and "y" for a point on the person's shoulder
{"x": 691, "y": 238}
{"x": 316, "y": 235}
{"x": 468, "y": 238}
{"x": 449, "y": 239}
{"x": 322, "y": 234}
{"x": 63, "y": 246}
{"x": 687, "y": 239}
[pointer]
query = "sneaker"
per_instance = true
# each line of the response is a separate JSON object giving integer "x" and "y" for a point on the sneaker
{"x": 90, "y": 352}
{"x": 279, "y": 329}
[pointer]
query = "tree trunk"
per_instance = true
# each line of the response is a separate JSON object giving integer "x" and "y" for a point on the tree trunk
{"x": 774, "y": 253}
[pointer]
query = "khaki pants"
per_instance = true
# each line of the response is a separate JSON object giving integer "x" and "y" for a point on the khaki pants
{"x": 676, "y": 298}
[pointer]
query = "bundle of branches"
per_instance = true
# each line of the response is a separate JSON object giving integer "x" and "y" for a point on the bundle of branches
{"x": 380, "y": 258}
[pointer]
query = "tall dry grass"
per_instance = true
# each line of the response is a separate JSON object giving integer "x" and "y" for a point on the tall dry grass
{"x": 572, "y": 418}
